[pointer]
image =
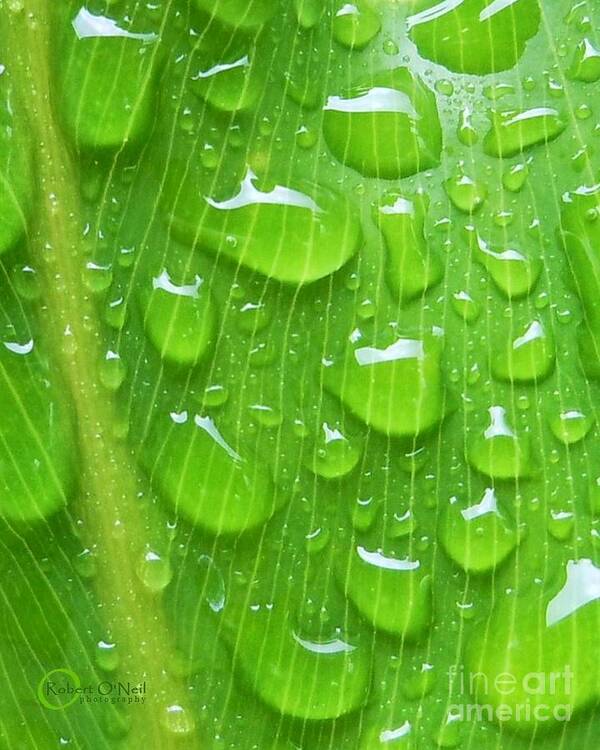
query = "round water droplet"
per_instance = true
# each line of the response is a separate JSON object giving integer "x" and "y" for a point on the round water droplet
{"x": 477, "y": 537}
{"x": 392, "y": 593}
{"x": 334, "y": 454}
{"x": 97, "y": 277}
{"x": 571, "y": 426}
{"x": 515, "y": 131}
{"x": 364, "y": 511}
{"x": 180, "y": 320}
{"x": 366, "y": 379}
{"x": 561, "y": 524}
{"x": 465, "y": 306}
{"x": 528, "y": 358}
{"x": 515, "y": 177}
{"x": 355, "y": 24}
{"x": 499, "y": 452}
{"x": 154, "y": 571}
{"x": 178, "y": 720}
{"x": 253, "y": 317}
{"x": 465, "y": 193}
{"x": 266, "y": 415}
{"x": 214, "y": 396}
{"x": 26, "y": 282}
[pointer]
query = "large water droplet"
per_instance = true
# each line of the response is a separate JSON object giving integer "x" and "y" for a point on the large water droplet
{"x": 395, "y": 388}
{"x": 107, "y": 82}
{"x": 220, "y": 487}
{"x": 387, "y": 128}
{"x": 477, "y": 537}
{"x": 293, "y": 235}
{"x": 529, "y": 357}
{"x": 474, "y": 36}
{"x": 498, "y": 451}
{"x": 468, "y": 195}
{"x": 180, "y": 320}
{"x": 571, "y": 426}
{"x": 393, "y": 593}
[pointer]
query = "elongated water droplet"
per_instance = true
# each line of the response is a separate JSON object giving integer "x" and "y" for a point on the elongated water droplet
{"x": 512, "y": 132}
{"x": 474, "y": 36}
{"x": 298, "y": 235}
{"x": 180, "y": 320}
{"x": 412, "y": 267}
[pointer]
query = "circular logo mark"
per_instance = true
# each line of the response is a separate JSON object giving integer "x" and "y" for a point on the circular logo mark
{"x": 58, "y": 689}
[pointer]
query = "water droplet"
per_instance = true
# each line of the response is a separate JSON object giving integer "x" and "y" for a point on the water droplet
{"x": 334, "y": 455}
{"x": 472, "y": 37}
{"x": 97, "y": 277}
{"x": 466, "y": 132}
{"x": 107, "y": 656}
{"x": 266, "y": 415}
{"x": 477, "y": 537}
{"x": 308, "y": 12}
{"x": 412, "y": 267}
{"x": 561, "y": 524}
{"x": 529, "y": 357}
{"x": 364, "y": 512}
{"x": 253, "y": 317}
{"x": 466, "y": 194}
{"x": 498, "y": 452}
{"x": 26, "y": 281}
{"x": 366, "y": 380}
{"x": 180, "y": 320}
{"x": 178, "y": 720}
{"x": 512, "y": 132}
{"x": 217, "y": 485}
{"x": 297, "y": 236}
{"x": 389, "y": 128}
{"x": 513, "y": 273}
{"x": 465, "y": 306}
{"x": 225, "y": 72}
{"x": 392, "y": 593}
{"x": 355, "y": 24}
{"x": 112, "y": 371}
{"x": 571, "y": 426}
{"x": 515, "y": 177}
{"x": 586, "y": 62}
{"x": 154, "y": 571}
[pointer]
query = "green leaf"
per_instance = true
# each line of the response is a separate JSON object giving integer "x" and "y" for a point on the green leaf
{"x": 299, "y": 374}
